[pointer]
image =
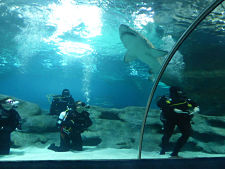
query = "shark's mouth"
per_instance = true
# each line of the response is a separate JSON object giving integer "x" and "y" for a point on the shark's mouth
{"x": 128, "y": 33}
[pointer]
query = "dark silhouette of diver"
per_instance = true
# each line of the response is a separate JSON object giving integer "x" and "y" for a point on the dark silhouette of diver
{"x": 72, "y": 123}
{"x": 61, "y": 102}
{"x": 176, "y": 110}
{"x": 9, "y": 121}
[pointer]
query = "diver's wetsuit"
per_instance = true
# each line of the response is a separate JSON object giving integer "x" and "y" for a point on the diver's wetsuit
{"x": 60, "y": 103}
{"x": 76, "y": 123}
{"x": 9, "y": 121}
{"x": 70, "y": 141}
{"x": 172, "y": 119}
{"x": 70, "y": 131}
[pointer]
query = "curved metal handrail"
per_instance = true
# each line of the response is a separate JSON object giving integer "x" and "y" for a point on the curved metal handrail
{"x": 201, "y": 17}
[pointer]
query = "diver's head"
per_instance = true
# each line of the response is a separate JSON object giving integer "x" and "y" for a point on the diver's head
{"x": 81, "y": 106}
{"x": 66, "y": 93}
{"x": 176, "y": 92}
{"x": 9, "y": 103}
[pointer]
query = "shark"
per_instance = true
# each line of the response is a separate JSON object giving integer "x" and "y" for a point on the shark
{"x": 140, "y": 48}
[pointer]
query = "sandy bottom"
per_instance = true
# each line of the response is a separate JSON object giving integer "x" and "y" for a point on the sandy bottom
{"x": 91, "y": 153}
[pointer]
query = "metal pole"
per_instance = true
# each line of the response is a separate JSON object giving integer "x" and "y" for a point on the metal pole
{"x": 201, "y": 17}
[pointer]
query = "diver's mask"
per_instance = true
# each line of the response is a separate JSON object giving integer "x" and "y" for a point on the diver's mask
{"x": 180, "y": 93}
{"x": 176, "y": 93}
{"x": 10, "y": 103}
{"x": 81, "y": 106}
{"x": 80, "y": 109}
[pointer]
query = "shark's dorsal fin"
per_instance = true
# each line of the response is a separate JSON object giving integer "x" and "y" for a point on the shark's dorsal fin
{"x": 129, "y": 57}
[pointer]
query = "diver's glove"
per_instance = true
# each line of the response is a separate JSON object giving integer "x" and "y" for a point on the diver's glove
{"x": 19, "y": 127}
{"x": 195, "y": 110}
{"x": 67, "y": 130}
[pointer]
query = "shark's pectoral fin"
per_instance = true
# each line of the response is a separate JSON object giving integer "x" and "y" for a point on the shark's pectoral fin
{"x": 129, "y": 57}
{"x": 158, "y": 54}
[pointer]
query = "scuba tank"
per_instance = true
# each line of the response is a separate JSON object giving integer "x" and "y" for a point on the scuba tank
{"x": 63, "y": 116}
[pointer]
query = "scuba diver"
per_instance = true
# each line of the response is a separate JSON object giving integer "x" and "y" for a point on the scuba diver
{"x": 72, "y": 123}
{"x": 60, "y": 102}
{"x": 9, "y": 121}
{"x": 176, "y": 110}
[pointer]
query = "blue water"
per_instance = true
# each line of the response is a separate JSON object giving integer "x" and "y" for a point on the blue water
{"x": 51, "y": 45}
{"x": 37, "y": 86}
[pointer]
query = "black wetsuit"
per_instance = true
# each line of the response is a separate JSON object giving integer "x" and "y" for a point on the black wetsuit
{"x": 77, "y": 123}
{"x": 9, "y": 121}
{"x": 171, "y": 119}
{"x": 70, "y": 131}
{"x": 60, "y": 103}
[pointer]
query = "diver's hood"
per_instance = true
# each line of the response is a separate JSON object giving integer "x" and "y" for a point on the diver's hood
{"x": 66, "y": 93}
{"x": 176, "y": 92}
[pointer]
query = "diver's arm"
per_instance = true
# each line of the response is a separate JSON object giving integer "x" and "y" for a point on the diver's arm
{"x": 180, "y": 111}
{"x": 195, "y": 110}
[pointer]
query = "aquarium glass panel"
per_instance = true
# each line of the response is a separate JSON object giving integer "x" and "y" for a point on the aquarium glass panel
{"x": 75, "y": 77}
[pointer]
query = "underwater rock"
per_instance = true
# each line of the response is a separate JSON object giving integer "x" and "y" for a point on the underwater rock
{"x": 20, "y": 139}
{"x": 91, "y": 141}
{"x": 36, "y": 124}
{"x": 27, "y": 109}
{"x": 124, "y": 130}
